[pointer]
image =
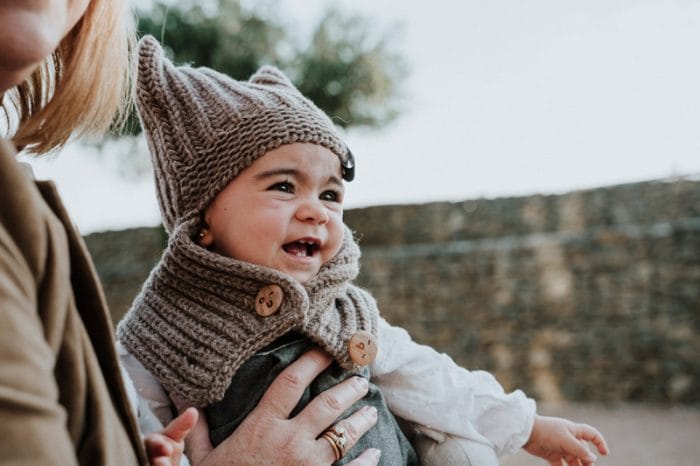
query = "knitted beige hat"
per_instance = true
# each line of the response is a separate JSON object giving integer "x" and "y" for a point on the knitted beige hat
{"x": 203, "y": 127}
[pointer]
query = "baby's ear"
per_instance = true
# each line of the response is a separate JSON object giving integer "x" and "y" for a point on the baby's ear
{"x": 271, "y": 76}
{"x": 205, "y": 238}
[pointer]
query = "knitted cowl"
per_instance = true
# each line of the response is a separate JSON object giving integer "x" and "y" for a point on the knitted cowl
{"x": 194, "y": 322}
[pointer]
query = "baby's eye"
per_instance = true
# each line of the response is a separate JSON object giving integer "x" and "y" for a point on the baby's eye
{"x": 331, "y": 196}
{"x": 284, "y": 186}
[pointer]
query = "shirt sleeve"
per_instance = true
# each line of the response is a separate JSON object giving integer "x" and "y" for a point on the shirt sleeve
{"x": 428, "y": 388}
{"x": 147, "y": 396}
{"x": 152, "y": 403}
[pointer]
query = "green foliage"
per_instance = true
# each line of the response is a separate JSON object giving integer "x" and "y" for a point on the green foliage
{"x": 231, "y": 40}
{"x": 349, "y": 75}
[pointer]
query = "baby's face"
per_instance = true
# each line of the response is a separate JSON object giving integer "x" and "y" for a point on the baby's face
{"x": 283, "y": 212}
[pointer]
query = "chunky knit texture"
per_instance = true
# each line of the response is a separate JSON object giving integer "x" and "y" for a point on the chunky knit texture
{"x": 203, "y": 128}
{"x": 194, "y": 322}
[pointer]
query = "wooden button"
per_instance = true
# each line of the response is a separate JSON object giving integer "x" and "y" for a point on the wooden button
{"x": 269, "y": 299}
{"x": 362, "y": 348}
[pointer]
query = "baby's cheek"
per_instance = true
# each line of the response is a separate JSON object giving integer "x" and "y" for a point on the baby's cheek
{"x": 333, "y": 251}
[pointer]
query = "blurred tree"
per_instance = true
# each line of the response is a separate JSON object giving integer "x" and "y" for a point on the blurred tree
{"x": 349, "y": 72}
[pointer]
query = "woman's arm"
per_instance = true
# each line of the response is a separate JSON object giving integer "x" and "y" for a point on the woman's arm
{"x": 33, "y": 428}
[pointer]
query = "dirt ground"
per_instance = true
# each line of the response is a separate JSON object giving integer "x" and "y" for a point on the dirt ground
{"x": 638, "y": 435}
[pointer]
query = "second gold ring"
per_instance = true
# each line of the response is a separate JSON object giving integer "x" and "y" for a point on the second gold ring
{"x": 336, "y": 437}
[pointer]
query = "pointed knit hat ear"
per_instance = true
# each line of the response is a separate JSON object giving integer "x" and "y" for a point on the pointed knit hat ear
{"x": 203, "y": 128}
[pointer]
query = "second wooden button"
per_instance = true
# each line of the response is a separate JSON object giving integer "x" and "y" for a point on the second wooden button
{"x": 362, "y": 348}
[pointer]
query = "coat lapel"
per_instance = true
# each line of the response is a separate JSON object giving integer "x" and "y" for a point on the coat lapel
{"x": 92, "y": 307}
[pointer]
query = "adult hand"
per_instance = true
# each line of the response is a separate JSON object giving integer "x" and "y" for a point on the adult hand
{"x": 269, "y": 436}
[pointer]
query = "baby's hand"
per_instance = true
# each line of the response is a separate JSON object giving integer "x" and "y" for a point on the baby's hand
{"x": 165, "y": 447}
{"x": 556, "y": 439}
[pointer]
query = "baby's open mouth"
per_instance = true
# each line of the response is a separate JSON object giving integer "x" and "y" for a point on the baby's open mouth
{"x": 301, "y": 248}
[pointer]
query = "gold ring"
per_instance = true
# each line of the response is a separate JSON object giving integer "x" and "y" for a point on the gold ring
{"x": 336, "y": 437}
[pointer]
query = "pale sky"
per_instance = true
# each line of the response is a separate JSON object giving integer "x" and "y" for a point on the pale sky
{"x": 504, "y": 98}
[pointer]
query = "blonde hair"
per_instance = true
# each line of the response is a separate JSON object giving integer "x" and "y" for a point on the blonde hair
{"x": 82, "y": 88}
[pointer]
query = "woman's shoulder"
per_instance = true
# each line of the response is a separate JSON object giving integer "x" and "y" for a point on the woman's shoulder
{"x": 23, "y": 212}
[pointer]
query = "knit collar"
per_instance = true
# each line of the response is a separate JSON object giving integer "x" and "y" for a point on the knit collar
{"x": 194, "y": 322}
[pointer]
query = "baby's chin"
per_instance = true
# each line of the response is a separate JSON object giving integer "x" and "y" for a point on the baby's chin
{"x": 305, "y": 279}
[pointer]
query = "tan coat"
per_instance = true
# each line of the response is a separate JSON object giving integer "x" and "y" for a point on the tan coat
{"x": 62, "y": 399}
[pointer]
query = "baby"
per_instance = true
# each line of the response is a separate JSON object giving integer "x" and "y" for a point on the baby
{"x": 259, "y": 269}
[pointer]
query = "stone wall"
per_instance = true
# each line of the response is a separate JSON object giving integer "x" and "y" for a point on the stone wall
{"x": 123, "y": 260}
{"x": 587, "y": 296}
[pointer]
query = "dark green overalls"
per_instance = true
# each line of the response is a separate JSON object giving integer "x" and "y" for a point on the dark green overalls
{"x": 258, "y": 372}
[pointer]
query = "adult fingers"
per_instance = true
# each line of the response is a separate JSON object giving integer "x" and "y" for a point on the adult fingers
{"x": 284, "y": 392}
{"x": 369, "y": 457}
{"x": 323, "y": 410}
{"x": 179, "y": 427}
{"x": 353, "y": 427}
{"x": 197, "y": 444}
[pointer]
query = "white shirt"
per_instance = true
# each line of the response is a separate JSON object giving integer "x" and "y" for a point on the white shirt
{"x": 419, "y": 384}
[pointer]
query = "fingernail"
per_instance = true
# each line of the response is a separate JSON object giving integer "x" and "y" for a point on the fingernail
{"x": 370, "y": 410}
{"x": 362, "y": 382}
{"x": 375, "y": 453}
